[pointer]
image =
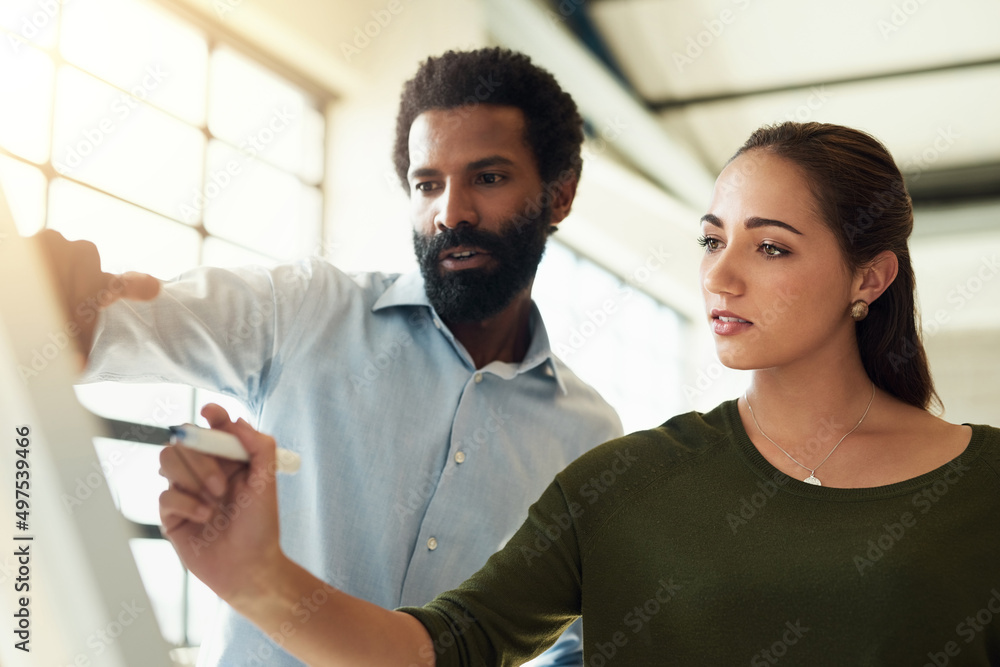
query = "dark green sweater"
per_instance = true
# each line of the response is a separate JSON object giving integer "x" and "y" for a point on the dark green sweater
{"x": 682, "y": 545}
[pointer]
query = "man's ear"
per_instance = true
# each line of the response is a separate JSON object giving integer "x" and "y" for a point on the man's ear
{"x": 875, "y": 277}
{"x": 564, "y": 192}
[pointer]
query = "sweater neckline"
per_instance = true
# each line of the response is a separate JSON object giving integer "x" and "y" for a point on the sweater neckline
{"x": 763, "y": 468}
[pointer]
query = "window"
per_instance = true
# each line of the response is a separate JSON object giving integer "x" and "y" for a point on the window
{"x": 616, "y": 338}
{"x": 160, "y": 142}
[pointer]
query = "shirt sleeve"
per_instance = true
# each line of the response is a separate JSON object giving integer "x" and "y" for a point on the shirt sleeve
{"x": 211, "y": 328}
{"x": 519, "y": 603}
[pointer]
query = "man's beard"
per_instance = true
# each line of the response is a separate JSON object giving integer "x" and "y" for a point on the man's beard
{"x": 477, "y": 294}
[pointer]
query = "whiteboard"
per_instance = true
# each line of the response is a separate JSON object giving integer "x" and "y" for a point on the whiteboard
{"x": 86, "y": 605}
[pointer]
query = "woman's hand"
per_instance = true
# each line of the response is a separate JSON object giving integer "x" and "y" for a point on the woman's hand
{"x": 222, "y": 515}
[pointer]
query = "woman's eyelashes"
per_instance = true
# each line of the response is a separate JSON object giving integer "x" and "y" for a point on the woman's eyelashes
{"x": 771, "y": 251}
{"x": 768, "y": 249}
{"x": 709, "y": 243}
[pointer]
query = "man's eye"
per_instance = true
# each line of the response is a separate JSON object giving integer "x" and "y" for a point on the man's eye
{"x": 491, "y": 179}
{"x": 424, "y": 187}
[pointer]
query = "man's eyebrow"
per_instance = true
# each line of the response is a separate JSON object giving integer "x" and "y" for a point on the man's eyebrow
{"x": 491, "y": 161}
{"x": 753, "y": 223}
{"x": 423, "y": 172}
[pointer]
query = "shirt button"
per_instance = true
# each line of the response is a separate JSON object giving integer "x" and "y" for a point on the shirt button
{"x": 437, "y": 323}
{"x": 478, "y": 377}
{"x": 432, "y": 544}
{"x": 459, "y": 457}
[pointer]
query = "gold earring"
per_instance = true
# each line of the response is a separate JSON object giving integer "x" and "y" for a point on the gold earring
{"x": 859, "y": 310}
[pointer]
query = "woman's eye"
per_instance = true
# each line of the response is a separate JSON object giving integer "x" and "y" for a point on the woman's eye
{"x": 709, "y": 243}
{"x": 771, "y": 250}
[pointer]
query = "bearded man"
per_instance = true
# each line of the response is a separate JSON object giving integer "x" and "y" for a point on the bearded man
{"x": 428, "y": 408}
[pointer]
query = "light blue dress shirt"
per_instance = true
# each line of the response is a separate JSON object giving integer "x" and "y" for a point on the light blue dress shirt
{"x": 416, "y": 466}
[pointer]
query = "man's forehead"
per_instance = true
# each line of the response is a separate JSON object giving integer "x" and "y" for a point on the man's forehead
{"x": 467, "y": 134}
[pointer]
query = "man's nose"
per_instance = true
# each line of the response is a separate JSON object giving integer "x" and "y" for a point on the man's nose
{"x": 455, "y": 207}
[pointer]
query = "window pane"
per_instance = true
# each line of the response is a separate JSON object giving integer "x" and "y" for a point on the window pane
{"x": 254, "y": 110}
{"x": 24, "y": 186}
{"x": 259, "y": 206}
{"x": 163, "y": 576}
{"x": 167, "y": 61}
{"x": 131, "y": 468}
{"x": 111, "y": 140}
{"x": 128, "y": 238}
{"x": 603, "y": 319}
{"x": 203, "y": 605}
{"x": 25, "y": 77}
{"x": 31, "y": 21}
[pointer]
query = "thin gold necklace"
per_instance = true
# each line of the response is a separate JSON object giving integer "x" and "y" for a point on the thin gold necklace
{"x": 811, "y": 479}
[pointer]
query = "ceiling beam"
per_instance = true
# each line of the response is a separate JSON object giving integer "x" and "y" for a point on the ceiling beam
{"x": 966, "y": 183}
{"x": 616, "y": 114}
{"x": 659, "y": 106}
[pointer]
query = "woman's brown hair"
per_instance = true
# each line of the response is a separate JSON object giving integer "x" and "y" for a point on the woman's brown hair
{"x": 863, "y": 200}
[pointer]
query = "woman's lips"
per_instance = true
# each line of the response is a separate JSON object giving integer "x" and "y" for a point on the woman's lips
{"x": 725, "y": 323}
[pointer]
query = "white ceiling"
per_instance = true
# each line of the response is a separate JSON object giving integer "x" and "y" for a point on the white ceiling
{"x": 908, "y": 71}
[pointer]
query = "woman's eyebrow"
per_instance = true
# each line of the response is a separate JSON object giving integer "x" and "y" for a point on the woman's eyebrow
{"x": 753, "y": 223}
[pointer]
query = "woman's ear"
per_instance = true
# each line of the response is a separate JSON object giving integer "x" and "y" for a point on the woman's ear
{"x": 874, "y": 278}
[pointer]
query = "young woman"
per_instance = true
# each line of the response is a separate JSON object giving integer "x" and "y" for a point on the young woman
{"x": 823, "y": 518}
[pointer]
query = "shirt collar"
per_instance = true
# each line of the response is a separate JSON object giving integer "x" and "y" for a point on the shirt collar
{"x": 408, "y": 290}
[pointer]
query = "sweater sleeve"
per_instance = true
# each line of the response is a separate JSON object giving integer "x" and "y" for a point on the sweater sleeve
{"x": 519, "y": 603}
{"x": 210, "y": 328}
